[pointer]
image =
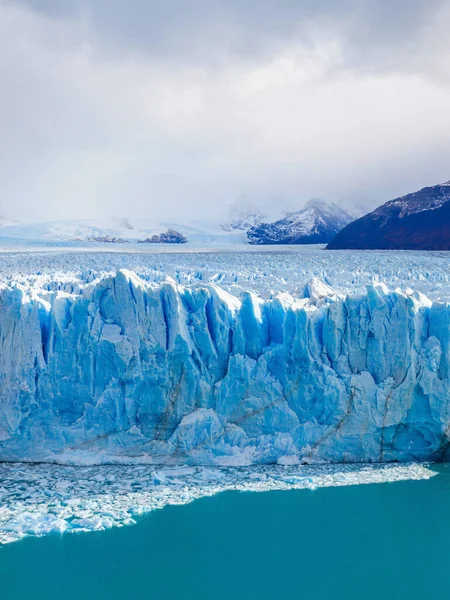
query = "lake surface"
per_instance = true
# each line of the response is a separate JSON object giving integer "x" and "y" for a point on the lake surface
{"x": 387, "y": 541}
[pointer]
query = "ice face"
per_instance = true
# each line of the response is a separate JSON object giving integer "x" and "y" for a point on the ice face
{"x": 122, "y": 369}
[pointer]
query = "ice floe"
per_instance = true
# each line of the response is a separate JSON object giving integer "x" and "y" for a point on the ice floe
{"x": 42, "y": 499}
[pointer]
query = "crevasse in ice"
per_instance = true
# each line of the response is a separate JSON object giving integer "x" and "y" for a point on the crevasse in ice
{"x": 124, "y": 370}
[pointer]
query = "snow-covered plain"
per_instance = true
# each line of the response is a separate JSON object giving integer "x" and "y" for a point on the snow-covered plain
{"x": 42, "y": 499}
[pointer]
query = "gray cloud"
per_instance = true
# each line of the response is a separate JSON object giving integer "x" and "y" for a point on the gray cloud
{"x": 372, "y": 32}
{"x": 177, "y": 107}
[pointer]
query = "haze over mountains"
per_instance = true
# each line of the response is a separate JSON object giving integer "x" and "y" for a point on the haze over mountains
{"x": 420, "y": 220}
{"x": 316, "y": 222}
{"x": 292, "y": 100}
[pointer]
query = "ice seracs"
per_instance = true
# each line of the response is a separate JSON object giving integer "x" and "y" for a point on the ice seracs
{"x": 123, "y": 369}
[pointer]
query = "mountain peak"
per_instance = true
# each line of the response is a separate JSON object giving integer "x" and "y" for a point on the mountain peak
{"x": 417, "y": 221}
{"x": 242, "y": 215}
{"x": 316, "y": 223}
{"x": 317, "y": 203}
{"x": 123, "y": 222}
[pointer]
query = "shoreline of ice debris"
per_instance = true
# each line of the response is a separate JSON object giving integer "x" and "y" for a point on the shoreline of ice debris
{"x": 40, "y": 499}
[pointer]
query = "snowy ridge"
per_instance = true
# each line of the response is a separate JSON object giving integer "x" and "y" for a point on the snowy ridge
{"x": 123, "y": 370}
{"x": 316, "y": 223}
{"x": 315, "y": 215}
{"x": 417, "y": 221}
{"x": 430, "y": 198}
{"x": 242, "y": 215}
{"x": 41, "y": 499}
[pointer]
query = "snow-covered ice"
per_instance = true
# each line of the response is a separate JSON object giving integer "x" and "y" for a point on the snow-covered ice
{"x": 224, "y": 358}
{"x": 264, "y": 271}
{"x": 42, "y": 499}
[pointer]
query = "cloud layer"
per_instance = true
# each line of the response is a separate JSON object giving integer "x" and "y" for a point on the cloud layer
{"x": 139, "y": 109}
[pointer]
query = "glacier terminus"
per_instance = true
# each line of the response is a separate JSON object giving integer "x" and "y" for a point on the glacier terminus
{"x": 122, "y": 367}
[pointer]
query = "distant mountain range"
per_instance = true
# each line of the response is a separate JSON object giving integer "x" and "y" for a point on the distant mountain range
{"x": 316, "y": 223}
{"x": 241, "y": 216}
{"x": 418, "y": 221}
{"x": 114, "y": 230}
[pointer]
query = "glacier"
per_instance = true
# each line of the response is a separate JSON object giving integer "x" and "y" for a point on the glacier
{"x": 122, "y": 367}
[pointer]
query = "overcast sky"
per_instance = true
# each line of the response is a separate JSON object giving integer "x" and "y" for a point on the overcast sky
{"x": 177, "y": 108}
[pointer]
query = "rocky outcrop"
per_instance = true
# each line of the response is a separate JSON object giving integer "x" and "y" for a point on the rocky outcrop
{"x": 171, "y": 236}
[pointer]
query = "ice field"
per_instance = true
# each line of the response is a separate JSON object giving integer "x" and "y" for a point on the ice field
{"x": 264, "y": 271}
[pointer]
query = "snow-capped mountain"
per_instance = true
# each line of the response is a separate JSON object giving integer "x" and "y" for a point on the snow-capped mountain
{"x": 242, "y": 215}
{"x": 68, "y": 229}
{"x": 109, "y": 230}
{"x": 316, "y": 223}
{"x": 418, "y": 221}
{"x": 121, "y": 230}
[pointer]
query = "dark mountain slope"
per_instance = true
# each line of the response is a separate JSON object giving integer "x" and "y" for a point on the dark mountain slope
{"x": 418, "y": 221}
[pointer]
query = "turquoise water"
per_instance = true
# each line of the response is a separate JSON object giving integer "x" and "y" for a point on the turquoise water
{"x": 367, "y": 542}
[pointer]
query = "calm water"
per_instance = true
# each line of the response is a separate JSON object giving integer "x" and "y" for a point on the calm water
{"x": 387, "y": 541}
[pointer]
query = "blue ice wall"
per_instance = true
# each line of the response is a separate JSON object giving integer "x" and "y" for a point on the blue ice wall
{"x": 124, "y": 370}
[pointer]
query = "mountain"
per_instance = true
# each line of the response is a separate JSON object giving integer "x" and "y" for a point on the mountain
{"x": 114, "y": 230}
{"x": 316, "y": 223}
{"x": 68, "y": 229}
{"x": 241, "y": 216}
{"x": 171, "y": 236}
{"x": 120, "y": 230}
{"x": 418, "y": 221}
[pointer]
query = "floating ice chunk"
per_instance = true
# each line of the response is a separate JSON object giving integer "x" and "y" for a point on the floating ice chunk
{"x": 113, "y": 496}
